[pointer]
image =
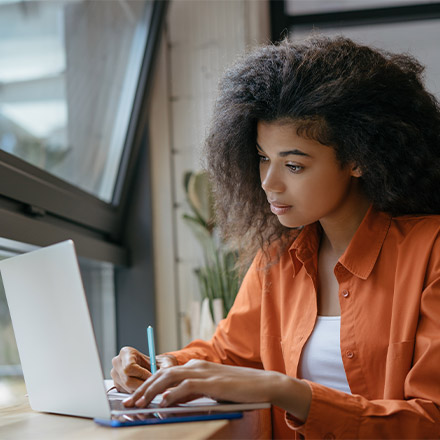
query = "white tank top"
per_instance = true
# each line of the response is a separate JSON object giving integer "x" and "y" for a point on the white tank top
{"x": 321, "y": 360}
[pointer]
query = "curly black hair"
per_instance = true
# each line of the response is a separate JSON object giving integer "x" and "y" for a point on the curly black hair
{"x": 369, "y": 105}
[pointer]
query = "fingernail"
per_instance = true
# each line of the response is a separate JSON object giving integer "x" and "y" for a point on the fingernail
{"x": 127, "y": 400}
{"x": 141, "y": 401}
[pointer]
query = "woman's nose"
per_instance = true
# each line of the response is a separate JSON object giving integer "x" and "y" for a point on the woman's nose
{"x": 271, "y": 182}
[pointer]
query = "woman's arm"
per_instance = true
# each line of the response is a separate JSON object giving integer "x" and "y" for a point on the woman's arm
{"x": 224, "y": 382}
{"x": 236, "y": 341}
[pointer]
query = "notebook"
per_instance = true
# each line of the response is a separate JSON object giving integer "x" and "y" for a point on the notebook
{"x": 56, "y": 343}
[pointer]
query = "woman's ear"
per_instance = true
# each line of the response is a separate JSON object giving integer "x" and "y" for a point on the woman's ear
{"x": 356, "y": 170}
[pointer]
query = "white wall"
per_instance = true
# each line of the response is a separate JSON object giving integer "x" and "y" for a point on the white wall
{"x": 419, "y": 38}
{"x": 201, "y": 39}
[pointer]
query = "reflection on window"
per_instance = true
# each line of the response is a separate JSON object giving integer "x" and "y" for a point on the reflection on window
{"x": 68, "y": 76}
{"x": 98, "y": 280}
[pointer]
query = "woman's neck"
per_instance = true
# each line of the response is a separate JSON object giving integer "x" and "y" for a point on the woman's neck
{"x": 338, "y": 232}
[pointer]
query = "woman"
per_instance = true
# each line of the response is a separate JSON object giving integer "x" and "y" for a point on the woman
{"x": 325, "y": 157}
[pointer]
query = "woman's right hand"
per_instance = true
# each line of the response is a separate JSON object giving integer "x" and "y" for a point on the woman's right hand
{"x": 131, "y": 368}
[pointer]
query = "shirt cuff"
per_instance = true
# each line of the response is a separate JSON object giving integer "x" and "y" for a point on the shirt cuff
{"x": 332, "y": 414}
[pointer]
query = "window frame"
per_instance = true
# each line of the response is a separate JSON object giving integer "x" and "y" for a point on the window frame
{"x": 281, "y": 23}
{"x": 39, "y": 208}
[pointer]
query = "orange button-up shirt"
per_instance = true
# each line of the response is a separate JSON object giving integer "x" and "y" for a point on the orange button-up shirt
{"x": 389, "y": 293}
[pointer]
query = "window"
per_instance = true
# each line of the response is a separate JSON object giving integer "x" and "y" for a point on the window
{"x": 69, "y": 74}
{"x": 74, "y": 80}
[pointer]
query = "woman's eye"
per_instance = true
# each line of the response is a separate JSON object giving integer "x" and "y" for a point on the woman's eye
{"x": 295, "y": 168}
{"x": 262, "y": 158}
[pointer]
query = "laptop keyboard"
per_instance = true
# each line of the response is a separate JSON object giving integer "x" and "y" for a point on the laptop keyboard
{"x": 116, "y": 405}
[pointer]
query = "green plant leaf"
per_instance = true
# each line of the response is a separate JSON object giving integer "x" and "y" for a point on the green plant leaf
{"x": 199, "y": 193}
{"x": 186, "y": 178}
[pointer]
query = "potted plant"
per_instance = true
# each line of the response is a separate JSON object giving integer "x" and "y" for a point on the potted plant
{"x": 218, "y": 278}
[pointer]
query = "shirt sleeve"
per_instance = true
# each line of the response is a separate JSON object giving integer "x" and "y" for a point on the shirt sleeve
{"x": 237, "y": 338}
{"x": 334, "y": 414}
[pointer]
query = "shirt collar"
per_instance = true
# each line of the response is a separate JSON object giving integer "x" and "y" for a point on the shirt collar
{"x": 306, "y": 245}
{"x": 364, "y": 248}
{"x": 362, "y": 252}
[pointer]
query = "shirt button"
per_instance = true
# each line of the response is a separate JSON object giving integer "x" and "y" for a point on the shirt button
{"x": 339, "y": 268}
{"x": 349, "y": 354}
{"x": 329, "y": 436}
{"x": 345, "y": 293}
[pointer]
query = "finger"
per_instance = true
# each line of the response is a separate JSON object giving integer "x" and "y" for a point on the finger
{"x": 137, "y": 393}
{"x": 143, "y": 395}
{"x": 129, "y": 355}
{"x": 118, "y": 382}
{"x": 175, "y": 396}
{"x": 136, "y": 371}
{"x": 162, "y": 381}
{"x": 187, "y": 390}
{"x": 156, "y": 384}
{"x": 132, "y": 384}
{"x": 166, "y": 361}
{"x": 128, "y": 379}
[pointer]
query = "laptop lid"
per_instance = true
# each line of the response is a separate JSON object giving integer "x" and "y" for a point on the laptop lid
{"x": 54, "y": 332}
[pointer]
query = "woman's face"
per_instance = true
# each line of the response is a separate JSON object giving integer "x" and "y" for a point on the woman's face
{"x": 302, "y": 179}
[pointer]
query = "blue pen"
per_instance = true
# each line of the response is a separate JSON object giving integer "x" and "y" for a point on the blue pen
{"x": 151, "y": 349}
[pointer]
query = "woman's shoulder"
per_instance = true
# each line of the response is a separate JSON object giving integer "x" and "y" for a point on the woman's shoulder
{"x": 421, "y": 224}
{"x": 415, "y": 232}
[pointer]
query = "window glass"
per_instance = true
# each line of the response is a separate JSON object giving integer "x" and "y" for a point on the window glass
{"x": 68, "y": 76}
{"x": 419, "y": 38}
{"x": 98, "y": 280}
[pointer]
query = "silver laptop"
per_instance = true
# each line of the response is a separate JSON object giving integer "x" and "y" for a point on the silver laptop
{"x": 54, "y": 333}
{"x": 57, "y": 346}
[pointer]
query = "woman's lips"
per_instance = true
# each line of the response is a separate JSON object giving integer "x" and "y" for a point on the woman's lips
{"x": 278, "y": 208}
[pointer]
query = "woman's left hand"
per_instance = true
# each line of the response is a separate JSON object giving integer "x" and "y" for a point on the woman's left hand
{"x": 220, "y": 382}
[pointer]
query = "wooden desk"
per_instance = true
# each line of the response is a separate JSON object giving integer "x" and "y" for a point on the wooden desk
{"x": 19, "y": 422}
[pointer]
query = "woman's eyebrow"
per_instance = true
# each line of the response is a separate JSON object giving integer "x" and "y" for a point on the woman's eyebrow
{"x": 286, "y": 153}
